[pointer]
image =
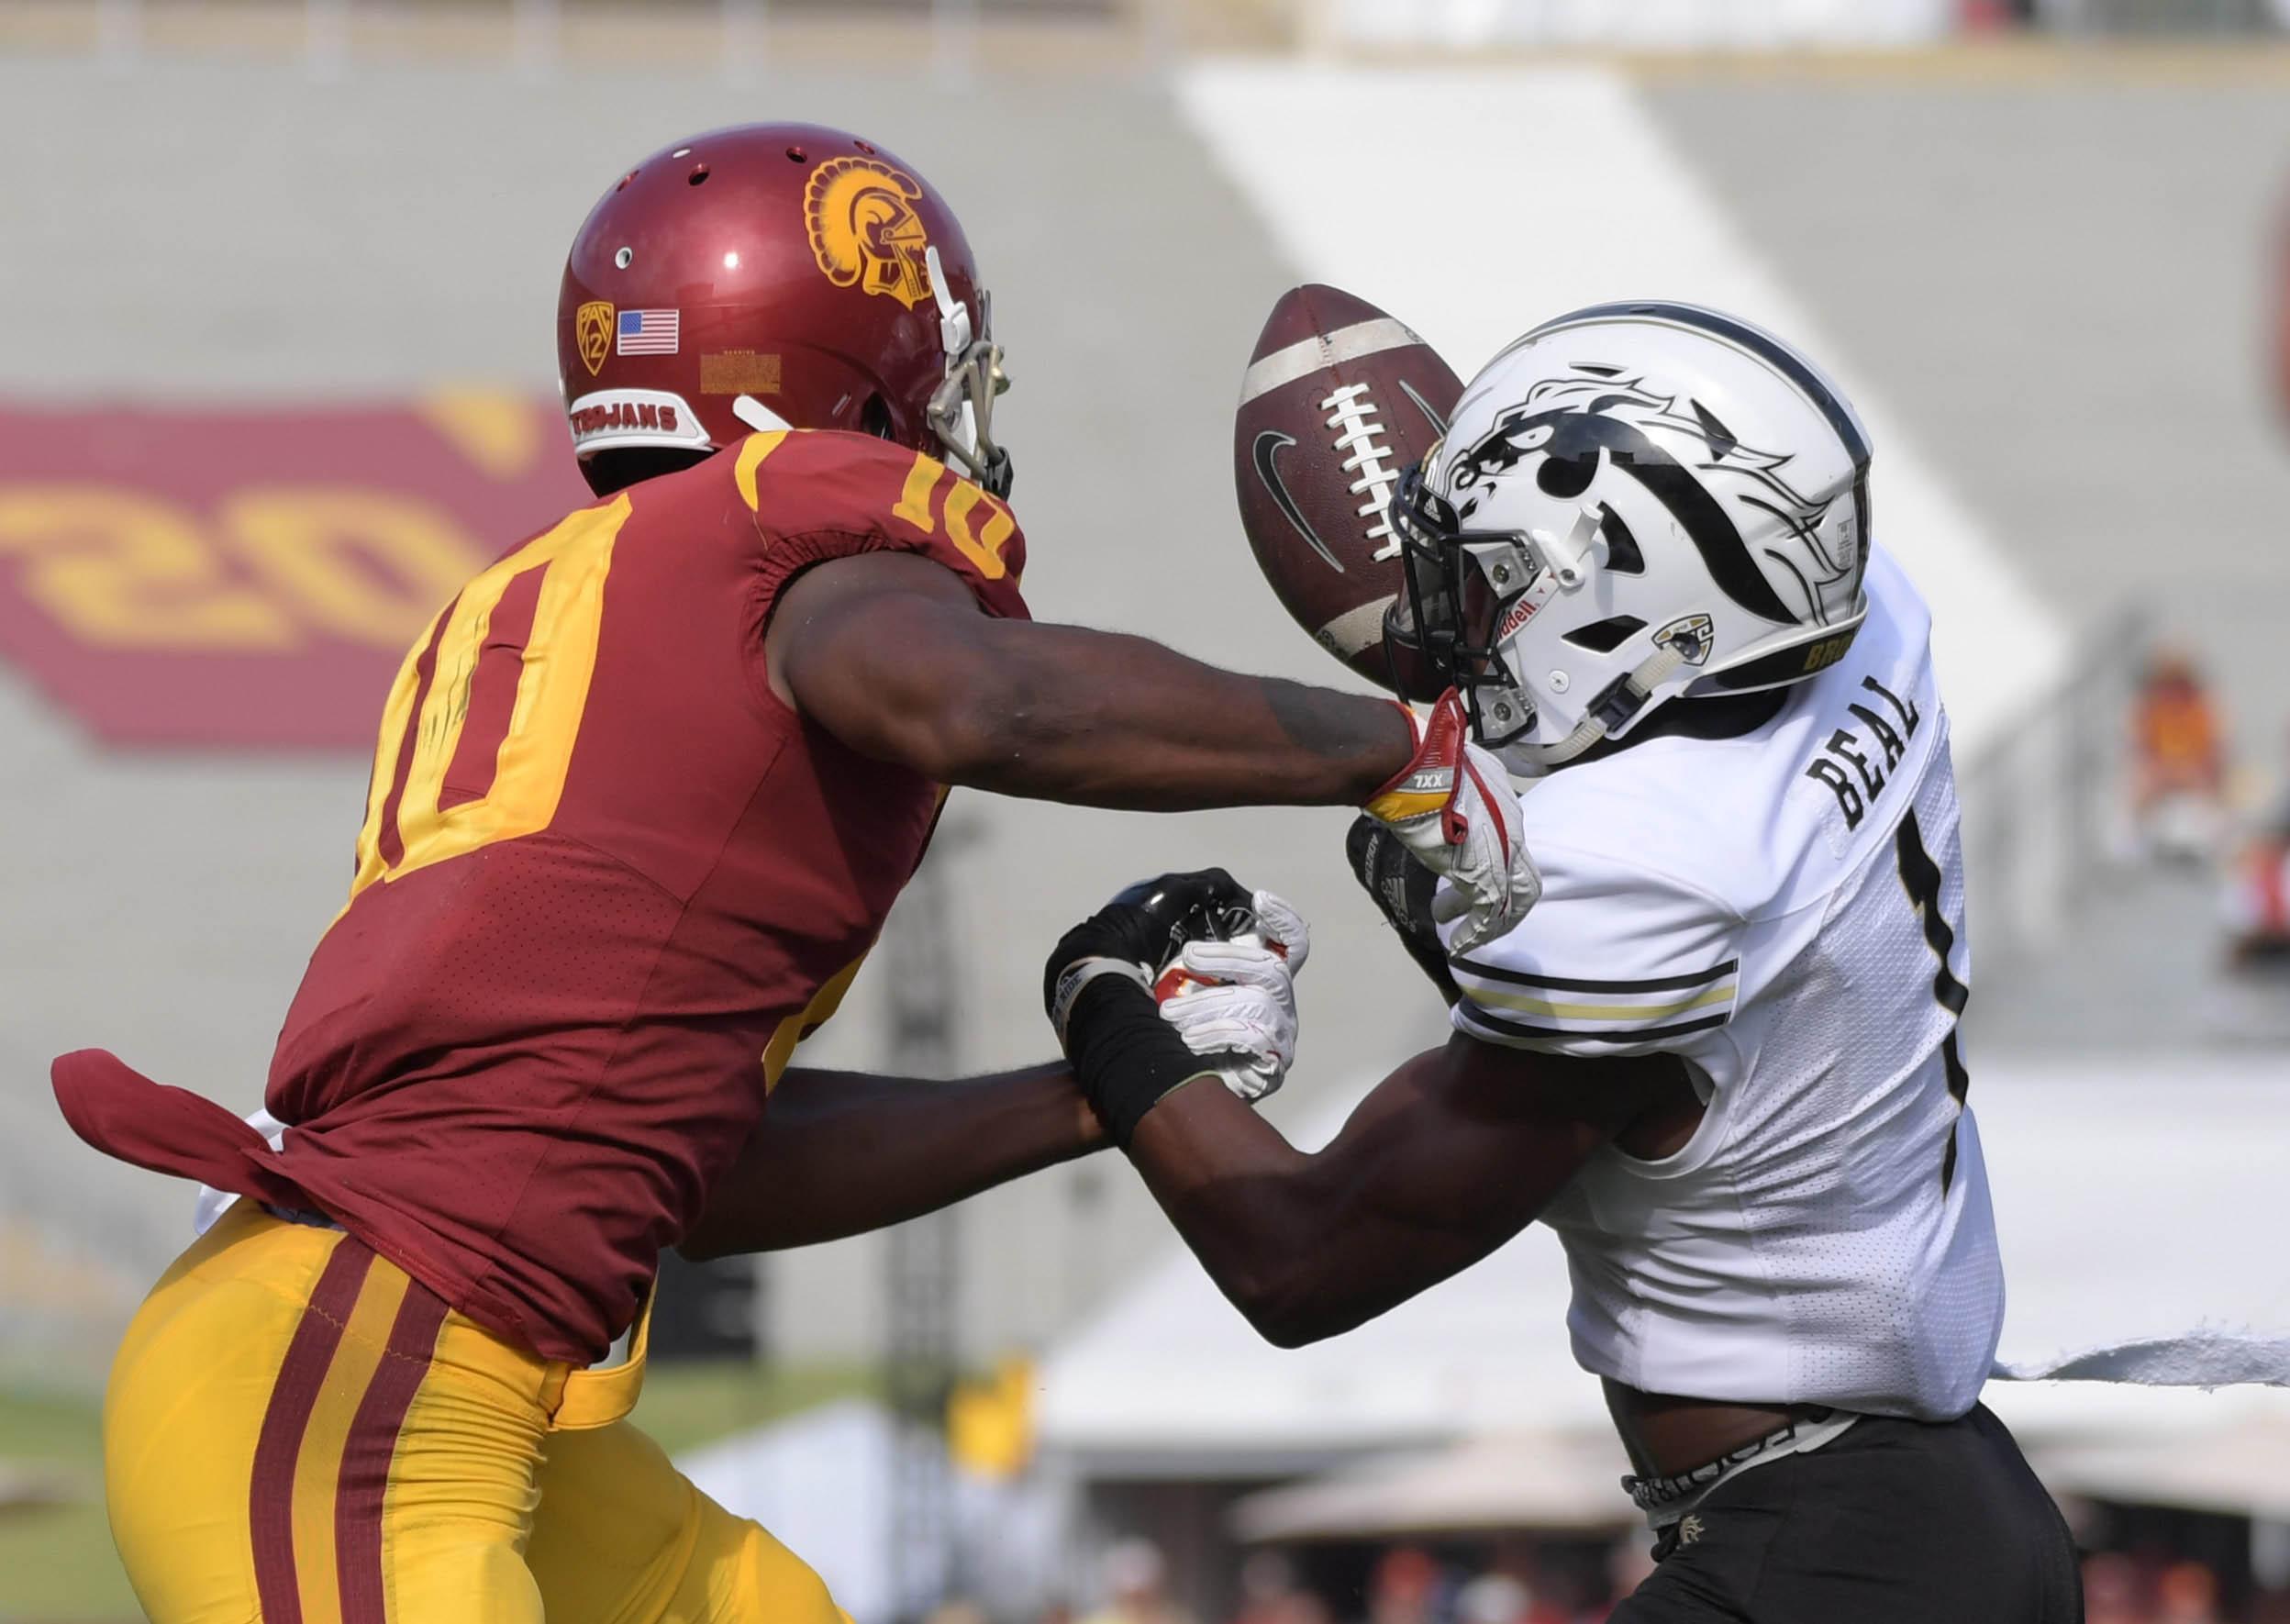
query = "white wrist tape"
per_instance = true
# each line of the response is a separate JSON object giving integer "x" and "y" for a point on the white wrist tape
{"x": 1079, "y": 974}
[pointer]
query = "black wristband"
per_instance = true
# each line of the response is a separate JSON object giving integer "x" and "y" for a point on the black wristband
{"x": 1127, "y": 1058}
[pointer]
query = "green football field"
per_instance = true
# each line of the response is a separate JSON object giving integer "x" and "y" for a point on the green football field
{"x": 56, "y": 1562}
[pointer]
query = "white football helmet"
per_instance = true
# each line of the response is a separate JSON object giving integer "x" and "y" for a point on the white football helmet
{"x": 1633, "y": 502}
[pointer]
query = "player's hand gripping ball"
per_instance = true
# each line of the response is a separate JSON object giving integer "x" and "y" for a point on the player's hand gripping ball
{"x": 1218, "y": 965}
{"x": 1232, "y": 995}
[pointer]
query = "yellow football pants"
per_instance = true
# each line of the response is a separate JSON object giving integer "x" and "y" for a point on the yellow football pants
{"x": 298, "y": 1433}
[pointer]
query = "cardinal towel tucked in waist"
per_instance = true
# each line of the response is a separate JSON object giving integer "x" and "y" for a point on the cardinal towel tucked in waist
{"x": 125, "y": 1114}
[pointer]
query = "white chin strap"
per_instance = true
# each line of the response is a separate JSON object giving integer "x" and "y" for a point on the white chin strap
{"x": 1651, "y": 673}
{"x": 757, "y": 415}
{"x": 954, "y": 336}
{"x": 961, "y": 409}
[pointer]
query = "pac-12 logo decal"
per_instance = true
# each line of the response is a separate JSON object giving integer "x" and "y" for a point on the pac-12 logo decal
{"x": 591, "y": 327}
{"x": 864, "y": 228}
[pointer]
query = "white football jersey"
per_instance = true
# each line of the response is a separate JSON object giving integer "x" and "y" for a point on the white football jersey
{"x": 1783, "y": 910}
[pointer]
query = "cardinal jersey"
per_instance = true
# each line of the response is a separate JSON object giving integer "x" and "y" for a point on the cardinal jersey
{"x": 1784, "y": 912}
{"x": 605, "y": 881}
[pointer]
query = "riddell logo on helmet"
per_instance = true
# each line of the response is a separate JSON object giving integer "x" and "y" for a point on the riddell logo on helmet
{"x": 864, "y": 228}
{"x": 592, "y": 328}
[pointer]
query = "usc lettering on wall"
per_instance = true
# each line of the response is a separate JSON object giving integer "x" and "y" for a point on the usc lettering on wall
{"x": 230, "y": 577}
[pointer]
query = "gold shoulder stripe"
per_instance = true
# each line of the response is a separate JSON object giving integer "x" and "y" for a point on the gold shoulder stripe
{"x": 793, "y": 1028}
{"x": 752, "y": 451}
{"x": 1551, "y": 1009}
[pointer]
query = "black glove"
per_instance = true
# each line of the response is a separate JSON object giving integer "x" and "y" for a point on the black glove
{"x": 1402, "y": 888}
{"x": 1149, "y": 923}
{"x": 1097, "y": 987}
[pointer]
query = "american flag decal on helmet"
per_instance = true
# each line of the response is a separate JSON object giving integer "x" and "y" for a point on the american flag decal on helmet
{"x": 649, "y": 332}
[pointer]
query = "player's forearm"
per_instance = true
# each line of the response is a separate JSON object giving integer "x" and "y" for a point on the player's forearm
{"x": 1243, "y": 1198}
{"x": 841, "y": 1153}
{"x": 1435, "y": 1170}
{"x": 1278, "y": 1231}
{"x": 1095, "y": 719}
{"x": 1305, "y": 1245}
{"x": 889, "y": 655}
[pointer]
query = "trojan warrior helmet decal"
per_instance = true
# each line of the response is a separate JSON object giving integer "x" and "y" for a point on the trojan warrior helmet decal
{"x": 864, "y": 228}
{"x": 592, "y": 330}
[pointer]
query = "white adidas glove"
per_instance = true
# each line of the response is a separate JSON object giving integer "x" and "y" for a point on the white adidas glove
{"x": 1237, "y": 1000}
{"x": 1454, "y": 809}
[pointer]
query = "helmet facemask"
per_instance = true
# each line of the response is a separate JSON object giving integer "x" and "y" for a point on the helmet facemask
{"x": 1666, "y": 503}
{"x": 961, "y": 409}
{"x": 1469, "y": 594}
{"x": 1462, "y": 587}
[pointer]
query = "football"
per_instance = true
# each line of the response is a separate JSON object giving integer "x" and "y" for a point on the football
{"x": 1338, "y": 399}
{"x": 1236, "y": 923}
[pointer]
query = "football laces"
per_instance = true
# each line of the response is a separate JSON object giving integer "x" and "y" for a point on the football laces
{"x": 1355, "y": 417}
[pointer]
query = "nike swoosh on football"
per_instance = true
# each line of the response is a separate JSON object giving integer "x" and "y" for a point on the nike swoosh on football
{"x": 1268, "y": 444}
{"x": 1438, "y": 424}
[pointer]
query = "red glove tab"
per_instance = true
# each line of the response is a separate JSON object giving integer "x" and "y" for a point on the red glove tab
{"x": 1428, "y": 781}
{"x": 1453, "y": 808}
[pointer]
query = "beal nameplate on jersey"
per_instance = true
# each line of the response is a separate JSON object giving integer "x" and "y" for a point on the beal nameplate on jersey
{"x": 1846, "y": 763}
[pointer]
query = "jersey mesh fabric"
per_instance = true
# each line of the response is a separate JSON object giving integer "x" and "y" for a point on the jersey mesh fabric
{"x": 1891, "y": 1298}
{"x": 516, "y": 1070}
{"x": 1801, "y": 1248}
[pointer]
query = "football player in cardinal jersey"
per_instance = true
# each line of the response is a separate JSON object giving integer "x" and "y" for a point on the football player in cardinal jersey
{"x": 1720, "y": 1058}
{"x": 644, "y": 792}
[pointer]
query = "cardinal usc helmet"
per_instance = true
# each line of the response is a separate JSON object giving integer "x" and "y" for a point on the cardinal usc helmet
{"x": 773, "y": 276}
{"x": 1632, "y": 502}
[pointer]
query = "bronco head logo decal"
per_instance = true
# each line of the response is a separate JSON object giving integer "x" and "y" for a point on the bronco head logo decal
{"x": 1574, "y": 427}
{"x": 864, "y": 228}
{"x": 592, "y": 327}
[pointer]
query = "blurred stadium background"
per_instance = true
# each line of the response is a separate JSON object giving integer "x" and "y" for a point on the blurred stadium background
{"x": 277, "y": 280}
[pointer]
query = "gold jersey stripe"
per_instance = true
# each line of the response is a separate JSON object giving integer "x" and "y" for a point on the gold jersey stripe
{"x": 752, "y": 451}
{"x": 1549, "y": 1010}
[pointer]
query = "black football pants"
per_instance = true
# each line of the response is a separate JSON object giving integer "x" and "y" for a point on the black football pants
{"x": 1896, "y": 1522}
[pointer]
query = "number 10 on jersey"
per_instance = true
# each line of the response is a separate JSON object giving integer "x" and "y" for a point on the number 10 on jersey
{"x": 477, "y": 735}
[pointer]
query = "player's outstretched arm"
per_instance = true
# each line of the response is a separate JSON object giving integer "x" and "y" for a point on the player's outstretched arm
{"x": 1449, "y": 1157}
{"x": 843, "y": 1152}
{"x": 888, "y": 653}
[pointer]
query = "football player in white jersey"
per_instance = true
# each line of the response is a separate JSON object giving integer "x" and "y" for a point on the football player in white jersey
{"x": 1720, "y": 1058}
